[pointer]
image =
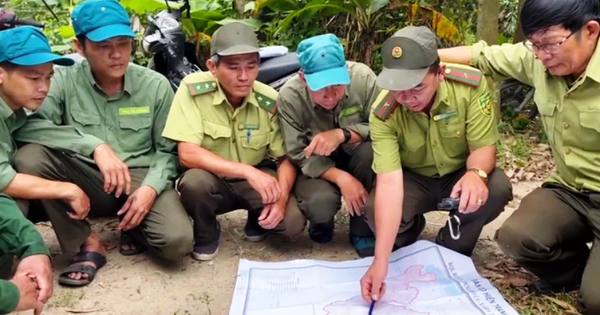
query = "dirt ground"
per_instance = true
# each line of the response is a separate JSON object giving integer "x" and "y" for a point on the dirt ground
{"x": 143, "y": 285}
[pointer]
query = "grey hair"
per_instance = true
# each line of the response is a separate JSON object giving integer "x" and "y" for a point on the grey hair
{"x": 215, "y": 59}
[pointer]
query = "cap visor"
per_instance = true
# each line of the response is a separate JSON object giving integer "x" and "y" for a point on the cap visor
{"x": 329, "y": 77}
{"x": 400, "y": 79}
{"x": 41, "y": 58}
{"x": 238, "y": 50}
{"x": 107, "y": 32}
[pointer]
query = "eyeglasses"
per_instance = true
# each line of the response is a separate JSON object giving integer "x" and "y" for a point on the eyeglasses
{"x": 550, "y": 48}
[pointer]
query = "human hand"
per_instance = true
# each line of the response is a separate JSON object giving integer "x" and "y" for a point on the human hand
{"x": 473, "y": 192}
{"x": 325, "y": 143}
{"x": 137, "y": 207}
{"x": 115, "y": 172}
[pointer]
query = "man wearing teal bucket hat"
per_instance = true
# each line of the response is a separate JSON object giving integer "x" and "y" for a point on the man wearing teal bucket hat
{"x": 324, "y": 114}
{"x": 125, "y": 105}
{"x": 26, "y": 66}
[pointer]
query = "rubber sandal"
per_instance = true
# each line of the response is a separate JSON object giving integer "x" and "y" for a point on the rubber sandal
{"x": 98, "y": 259}
{"x": 125, "y": 239}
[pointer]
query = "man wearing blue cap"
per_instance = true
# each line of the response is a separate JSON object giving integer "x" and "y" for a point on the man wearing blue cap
{"x": 324, "y": 114}
{"x": 125, "y": 105}
{"x": 26, "y": 66}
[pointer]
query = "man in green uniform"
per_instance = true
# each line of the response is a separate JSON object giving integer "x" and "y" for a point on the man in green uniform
{"x": 228, "y": 136}
{"x": 126, "y": 106}
{"x": 324, "y": 114}
{"x": 31, "y": 286}
{"x": 548, "y": 233}
{"x": 434, "y": 136}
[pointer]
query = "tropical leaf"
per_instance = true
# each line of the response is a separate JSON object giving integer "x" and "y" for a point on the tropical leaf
{"x": 249, "y": 6}
{"x": 322, "y": 7}
{"x": 376, "y": 5}
{"x": 276, "y": 5}
{"x": 141, "y": 7}
{"x": 441, "y": 25}
{"x": 66, "y": 31}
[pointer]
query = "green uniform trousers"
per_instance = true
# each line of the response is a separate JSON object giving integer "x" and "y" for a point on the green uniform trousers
{"x": 206, "y": 195}
{"x": 547, "y": 235}
{"x": 166, "y": 229}
{"x": 421, "y": 195}
{"x": 319, "y": 200}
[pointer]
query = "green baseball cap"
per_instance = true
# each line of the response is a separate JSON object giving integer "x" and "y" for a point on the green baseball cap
{"x": 323, "y": 61}
{"x": 234, "y": 38}
{"x": 100, "y": 20}
{"x": 407, "y": 56}
{"x": 28, "y": 46}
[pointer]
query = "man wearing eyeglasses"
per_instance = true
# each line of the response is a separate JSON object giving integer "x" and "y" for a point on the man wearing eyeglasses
{"x": 549, "y": 231}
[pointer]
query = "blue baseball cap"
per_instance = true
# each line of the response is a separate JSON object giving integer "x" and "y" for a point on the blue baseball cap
{"x": 323, "y": 61}
{"x": 28, "y": 46}
{"x": 100, "y": 20}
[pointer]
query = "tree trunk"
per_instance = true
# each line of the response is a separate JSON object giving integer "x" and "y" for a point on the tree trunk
{"x": 519, "y": 35}
{"x": 239, "y": 7}
{"x": 487, "y": 21}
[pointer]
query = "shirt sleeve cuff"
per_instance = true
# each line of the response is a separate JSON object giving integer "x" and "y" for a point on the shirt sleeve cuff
{"x": 315, "y": 166}
{"x": 157, "y": 184}
{"x": 7, "y": 176}
{"x": 476, "y": 50}
{"x": 91, "y": 143}
{"x": 9, "y": 296}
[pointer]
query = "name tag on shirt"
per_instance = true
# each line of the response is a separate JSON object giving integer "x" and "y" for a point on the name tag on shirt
{"x": 134, "y": 110}
{"x": 350, "y": 110}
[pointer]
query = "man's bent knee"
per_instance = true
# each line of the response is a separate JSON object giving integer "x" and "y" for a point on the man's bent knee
{"x": 197, "y": 183}
{"x": 511, "y": 238}
{"x": 174, "y": 244}
{"x": 321, "y": 207}
{"x": 32, "y": 159}
{"x": 590, "y": 299}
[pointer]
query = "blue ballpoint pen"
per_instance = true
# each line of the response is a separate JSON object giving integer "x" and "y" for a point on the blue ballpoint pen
{"x": 371, "y": 308}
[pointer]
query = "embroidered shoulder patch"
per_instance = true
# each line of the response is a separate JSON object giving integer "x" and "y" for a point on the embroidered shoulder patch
{"x": 266, "y": 102}
{"x": 386, "y": 106}
{"x": 466, "y": 76}
{"x": 485, "y": 104}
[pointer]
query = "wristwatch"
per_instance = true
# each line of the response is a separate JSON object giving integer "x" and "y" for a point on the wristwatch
{"x": 481, "y": 173}
{"x": 347, "y": 135}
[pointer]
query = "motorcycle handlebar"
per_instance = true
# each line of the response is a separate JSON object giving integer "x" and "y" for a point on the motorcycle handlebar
{"x": 8, "y": 19}
{"x": 19, "y": 21}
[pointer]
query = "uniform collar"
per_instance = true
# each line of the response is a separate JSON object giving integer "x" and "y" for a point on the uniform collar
{"x": 5, "y": 111}
{"x": 127, "y": 86}
{"x": 219, "y": 96}
{"x": 593, "y": 68}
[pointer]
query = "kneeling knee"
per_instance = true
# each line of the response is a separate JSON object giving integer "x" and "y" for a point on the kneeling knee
{"x": 176, "y": 245}
{"x": 511, "y": 239}
{"x": 196, "y": 183}
{"x": 28, "y": 159}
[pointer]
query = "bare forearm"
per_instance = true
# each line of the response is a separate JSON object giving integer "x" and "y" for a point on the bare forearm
{"x": 461, "y": 54}
{"x": 195, "y": 156}
{"x": 286, "y": 175}
{"x": 334, "y": 175}
{"x": 389, "y": 196}
{"x": 355, "y": 137}
{"x": 483, "y": 158}
{"x": 26, "y": 186}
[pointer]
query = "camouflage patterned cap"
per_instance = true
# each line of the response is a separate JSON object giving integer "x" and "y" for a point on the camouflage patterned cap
{"x": 234, "y": 38}
{"x": 407, "y": 56}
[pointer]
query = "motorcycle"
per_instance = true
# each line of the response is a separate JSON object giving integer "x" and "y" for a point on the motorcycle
{"x": 175, "y": 58}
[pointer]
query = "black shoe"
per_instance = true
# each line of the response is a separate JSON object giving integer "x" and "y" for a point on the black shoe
{"x": 364, "y": 246}
{"x": 542, "y": 287}
{"x": 253, "y": 231}
{"x": 321, "y": 232}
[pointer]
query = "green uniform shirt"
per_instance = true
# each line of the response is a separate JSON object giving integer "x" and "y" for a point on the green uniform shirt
{"x": 16, "y": 126}
{"x": 462, "y": 119}
{"x": 131, "y": 122}
{"x": 302, "y": 119}
{"x": 570, "y": 114}
{"x": 201, "y": 114}
{"x": 18, "y": 236}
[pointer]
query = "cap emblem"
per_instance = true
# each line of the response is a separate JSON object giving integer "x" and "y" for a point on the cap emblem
{"x": 397, "y": 52}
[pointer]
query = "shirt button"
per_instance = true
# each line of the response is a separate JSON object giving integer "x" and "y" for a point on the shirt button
{"x": 240, "y": 126}
{"x": 434, "y": 143}
{"x": 567, "y": 151}
{"x": 458, "y": 133}
{"x": 567, "y": 125}
{"x": 233, "y": 140}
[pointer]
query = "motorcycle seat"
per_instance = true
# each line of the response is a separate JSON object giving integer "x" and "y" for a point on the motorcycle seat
{"x": 277, "y": 67}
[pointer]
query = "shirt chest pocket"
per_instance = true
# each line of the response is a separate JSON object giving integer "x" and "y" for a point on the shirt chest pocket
{"x": 86, "y": 122}
{"x": 135, "y": 133}
{"x": 350, "y": 116}
{"x": 254, "y": 144}
{"x": 453, "y": 139}
{"x": 547, "y": 109}
{"x": 589, "y": 134}
{"x": 217, "y": 138}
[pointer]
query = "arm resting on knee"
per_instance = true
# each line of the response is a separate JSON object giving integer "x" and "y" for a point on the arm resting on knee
{"x": 483, "y": 158}
{"x": 26, "y": 186}
{"x": 286, "y": 174}
{"x": 194, "y": 156}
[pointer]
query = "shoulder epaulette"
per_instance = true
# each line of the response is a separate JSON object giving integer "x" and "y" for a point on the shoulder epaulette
{"x": 385, "y": 106}
{"x": 266, "y": 102}
{"x": 199, "y": 88}
{"x": 468, "y": 76}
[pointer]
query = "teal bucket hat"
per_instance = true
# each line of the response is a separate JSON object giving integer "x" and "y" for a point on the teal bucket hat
{"x": 100, "y": 20}
{"x": 28, "y": 46}
{"x": 323, "y": 61}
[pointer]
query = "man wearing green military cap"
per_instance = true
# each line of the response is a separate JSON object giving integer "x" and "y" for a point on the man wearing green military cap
{"x": 434, "y": 136}
{"x": 549, "y": 232}
{"x": 126, "y": 106}
{"x": 26, "y": 66}
{"x": 325, "y": 119}
{"x": 230, "y": 140}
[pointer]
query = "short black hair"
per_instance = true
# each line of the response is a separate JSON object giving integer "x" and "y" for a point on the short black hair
{"x": 8, "y": 66}
{"x": 81, "y": 39}
{"x": 537, "y": 15}
{"x": 435, "y": 67}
